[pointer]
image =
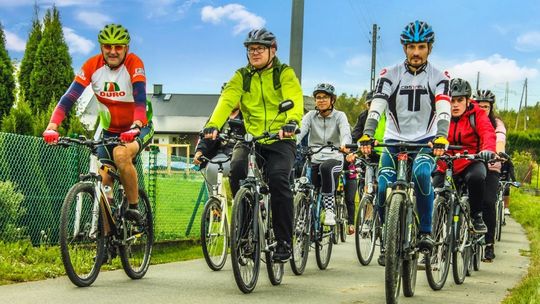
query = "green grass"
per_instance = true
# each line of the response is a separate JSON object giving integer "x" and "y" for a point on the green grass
{"x": 525, "y": 209}
{"x": 21, "y": 262}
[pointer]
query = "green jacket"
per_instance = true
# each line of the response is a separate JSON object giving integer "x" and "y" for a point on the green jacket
{"x": 259, "y": 106}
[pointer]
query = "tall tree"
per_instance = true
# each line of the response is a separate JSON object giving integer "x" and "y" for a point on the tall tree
{"x": 52, "y": 72}
{"x": 27, "y": 63}
{"x": 7, "y": 81}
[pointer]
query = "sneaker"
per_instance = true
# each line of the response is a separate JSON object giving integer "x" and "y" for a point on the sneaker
{"x": 282, "y": 253}
{"x": 351, "y": 230}
{"x": 425, "y": 242}
{"x": 478, "y": 225}
{"x": 506, "y": 211}
{"x": 489, "y": 254}
{"x": 329, "y": 218}
{"x": 381, "y": 259}
{"x": 421, "y": 263}
{"x": 133, "y": 215}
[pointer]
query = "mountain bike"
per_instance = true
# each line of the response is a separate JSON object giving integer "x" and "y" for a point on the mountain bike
{"x": 500, "y": 217}
{"x": 309, "y": 225}
{"x": 214, "y": 219}
{"x": 93, "y": 229}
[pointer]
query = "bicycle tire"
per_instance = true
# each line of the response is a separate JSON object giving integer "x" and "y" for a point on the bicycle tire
{"x": 438, "y": 264}
{"x": 245, "y": 245}
{"x": 275, "y": 270}
{"x": 214, "y": 234}
{"x": 83, "y": 248}
{"x": 324, "y": 243}
{"x": 410, "y": 264}
{"x": 300, "y": 240}
{"x": 343, "y": 219}
{"x": 393, "y": 262}
{"x": 460, "y": 259}
{"x": 136, "y": 251}
{"x": 365, "y": 239}
{"x": 477, "y": 256}
{"x": 499, "y": 219}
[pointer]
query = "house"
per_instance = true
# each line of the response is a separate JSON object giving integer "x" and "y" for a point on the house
{"x": 177, "y": 118}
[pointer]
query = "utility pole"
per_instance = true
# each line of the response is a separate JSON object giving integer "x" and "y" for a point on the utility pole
{"x": 297, "y": 36}
{"x": 520, "y": 102}
{"x": 506, "y": 97}
{"x": 373, "y": 41}
{"x": 525, "y": 108}
{"x": 477, "y": 80}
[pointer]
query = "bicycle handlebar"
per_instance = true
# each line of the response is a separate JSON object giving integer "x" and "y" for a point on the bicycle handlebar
{"x": 90, "y": 143}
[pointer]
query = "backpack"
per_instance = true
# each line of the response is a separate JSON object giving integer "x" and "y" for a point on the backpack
{"x": 247, "y": 74}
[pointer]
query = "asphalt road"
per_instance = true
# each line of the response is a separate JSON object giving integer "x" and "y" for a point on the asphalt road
{"x": 345, "y": 281}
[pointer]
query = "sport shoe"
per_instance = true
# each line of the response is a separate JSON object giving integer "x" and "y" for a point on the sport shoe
{"x": 381, "y": 259}
{"x": 329, "y": 217}
{"x": 133, "y": 215}
{"x": 506, "y": 211}
{"x": 478, "y": 225}
{"x": 421, "y": 263}
{"x": 282, "y": 253}
{"x": 489, "y": 254}
{"x": 425, "y": 242}
{"x": 351, "y": 230}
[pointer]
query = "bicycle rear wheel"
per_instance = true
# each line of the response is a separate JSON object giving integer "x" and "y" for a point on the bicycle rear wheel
{"x": 342, "y": 218}
{"x": 477, "y": 255}
{"x": 82, "y": 246}
{"x": 136, "y": 250}
{"x": 214, "y": 234}
{"x": 245, "y": 244}
{"x": 275, "y": 270}
{"x": 499, "y": 219}
{"x": 365, "y": 236}
{"x": 460, "y": 250}
{"x": 438, "y": 264}
{"x": 300, "y": 243}
{"x": 393, "y": 259}
{"x": 324, "y": 243}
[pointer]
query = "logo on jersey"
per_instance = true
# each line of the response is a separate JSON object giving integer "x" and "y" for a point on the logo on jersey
{"x": 447, "y": 74}
{"x": 383, "y": 72}
{"x": 81, "y": 75}
{"x": 138, "y": 72}
{"x": 111, "y": 89}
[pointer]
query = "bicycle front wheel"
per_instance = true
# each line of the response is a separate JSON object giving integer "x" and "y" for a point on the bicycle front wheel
{"x": 342, "y": 218}
{"x": 324, "y": 242}
{"x": 499, "y": 219}
{"x": 438, "y": 264}
{"x": 82, "y": 238}
{"x": 300, "y": 243}
{"x": 245, "y": 244}
{"x": 365, "y": 236}
{"x": 393, "y": 259}
{"x": 410, "y": 262}
{"x": 214, "y": 234}
{"x": 275, "y": 270}
{"x": 461, "y": 250}
{"x": 136, "y": 248}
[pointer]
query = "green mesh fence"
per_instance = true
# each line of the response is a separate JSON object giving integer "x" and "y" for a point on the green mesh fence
{"x": 44, "y": 174}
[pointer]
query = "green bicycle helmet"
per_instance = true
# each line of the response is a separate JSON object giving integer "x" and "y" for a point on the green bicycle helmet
{"x": 114, "y": 34}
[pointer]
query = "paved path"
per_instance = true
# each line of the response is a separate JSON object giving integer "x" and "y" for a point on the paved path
{"x": 345, "y": 281}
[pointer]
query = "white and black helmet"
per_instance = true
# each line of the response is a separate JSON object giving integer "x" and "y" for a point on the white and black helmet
{"x": 261, "y": 36}
{"x": 325, "y": 88}
{"x": 485, "y": 95}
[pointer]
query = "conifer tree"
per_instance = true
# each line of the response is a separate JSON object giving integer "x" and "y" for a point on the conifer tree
{"x": 7, "y": 80}
{"x": 27, "y": 63}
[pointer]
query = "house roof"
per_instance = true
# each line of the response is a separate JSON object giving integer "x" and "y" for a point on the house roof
{"x": 174, "y": 113}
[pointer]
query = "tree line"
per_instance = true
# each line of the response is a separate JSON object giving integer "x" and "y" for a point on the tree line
{"x": 43, "y": 76}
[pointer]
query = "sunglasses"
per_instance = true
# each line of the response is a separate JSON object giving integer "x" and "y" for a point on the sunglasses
{"x": 116, "y": 47}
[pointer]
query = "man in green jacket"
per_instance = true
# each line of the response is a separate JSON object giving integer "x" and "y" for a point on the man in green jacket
{"x": 260, "y": 87}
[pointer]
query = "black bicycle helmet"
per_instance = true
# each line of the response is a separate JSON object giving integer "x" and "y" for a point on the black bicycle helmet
{"x": 460, "y": 87}
{"x": 417, "y": 31}
{"x": 485, "y": 95}
{"x": 325, "y": 88}
{"x": 261, "y": 36}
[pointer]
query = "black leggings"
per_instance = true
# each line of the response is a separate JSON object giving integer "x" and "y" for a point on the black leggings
{"x": 325, "y": 175}
{"x": 490, "y": 198}
{"x": 473, "y": 176}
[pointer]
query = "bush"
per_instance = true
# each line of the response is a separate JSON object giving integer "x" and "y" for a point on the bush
{"x": 10, "y": 210}
{"x": 523, "y": 164}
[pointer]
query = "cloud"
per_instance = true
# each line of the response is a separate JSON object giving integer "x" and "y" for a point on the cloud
{"x": 76, "y": 43}
{"x": 357, "y": 65}
{"x": 493, "y": 70}
{"x": 14, "y": 43}
{"x": 169, "y": 8}
{"x": 237, "y": 13}
{"x": 184, "y": 8}
{"x": 528, "y": 42}
{"x": 93, "y": 19}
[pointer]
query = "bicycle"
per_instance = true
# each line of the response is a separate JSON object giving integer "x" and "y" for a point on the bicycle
{"x": 499, "y": 207}
{"x": 214, "y": 229}
{"x": 94, "y": 230}
{"x": 308, "y": 220}
{"x": 368, "y": 226}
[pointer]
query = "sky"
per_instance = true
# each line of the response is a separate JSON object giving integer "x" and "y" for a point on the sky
{"x": 194, "y": 46}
